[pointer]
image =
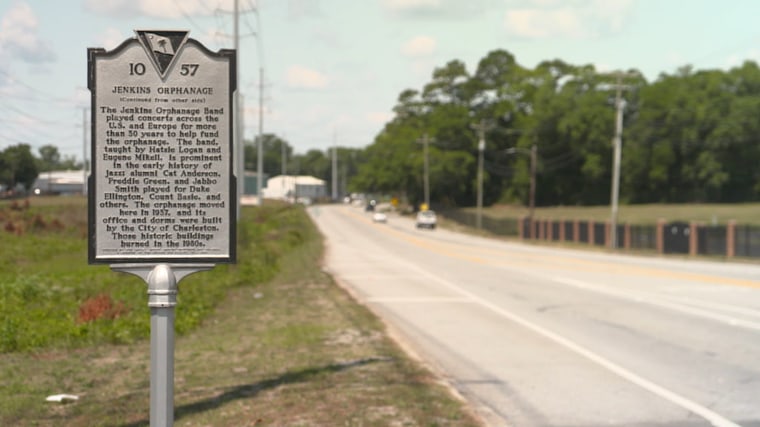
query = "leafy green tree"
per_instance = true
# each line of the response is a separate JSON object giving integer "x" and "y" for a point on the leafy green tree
{"x": 18, "y": 166}
{"x": 50, "y": 158}
{"x": 315, "y": 163}
{"x": 394, "y": 163}
{"x": 449, "y": 85}
{"x": 735, "y": 153}
{"x": 272, "y": 154}
{"x": 70, "y": 163}
{"x": 729, "y": 168}
{"x": 670, "y": 156}
{"x": 688, "y": 137}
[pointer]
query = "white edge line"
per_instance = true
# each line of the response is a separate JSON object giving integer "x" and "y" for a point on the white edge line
{"x": 683, "y": 307}
{"x": 714, "y": 418}
{"x": 425, "y": 300}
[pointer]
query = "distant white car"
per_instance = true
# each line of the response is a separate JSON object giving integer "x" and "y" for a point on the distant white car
{"x": 426, "y": 219}
{"x": 379, "y": 217}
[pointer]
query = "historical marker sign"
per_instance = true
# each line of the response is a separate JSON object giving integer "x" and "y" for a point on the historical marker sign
{"x": 162, "y": 187}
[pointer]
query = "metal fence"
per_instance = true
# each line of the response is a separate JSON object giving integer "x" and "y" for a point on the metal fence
{"x": 747, "y": 241}
{"x": 643, "y": 237}
{"x": 712, "y": 240}
{"x": 674, "y": 237}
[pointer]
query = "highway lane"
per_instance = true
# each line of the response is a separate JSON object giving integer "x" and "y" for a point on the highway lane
{"x": 536, "y": 336}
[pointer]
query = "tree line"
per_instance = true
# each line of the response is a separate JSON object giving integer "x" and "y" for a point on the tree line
{"x": 690, "y": 136}
{"x": 279, "y": 157}
{"x": 19, "y": 167}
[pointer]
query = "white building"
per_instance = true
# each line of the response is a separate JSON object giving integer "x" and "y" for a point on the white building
{"x": 290, "y": 187}
{"x": 59, "y": 182}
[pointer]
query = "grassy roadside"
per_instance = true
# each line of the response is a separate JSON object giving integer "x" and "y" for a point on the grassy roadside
{"x": 294, "y": 350}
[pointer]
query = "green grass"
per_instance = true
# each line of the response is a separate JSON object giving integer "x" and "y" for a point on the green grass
{"x": 45, "y": 281}
{"x": 259, "y": 344}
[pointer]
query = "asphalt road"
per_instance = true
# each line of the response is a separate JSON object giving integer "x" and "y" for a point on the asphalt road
{"x": 535, "y": 336}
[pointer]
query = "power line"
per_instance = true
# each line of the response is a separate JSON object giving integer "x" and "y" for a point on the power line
{"x": 187, "y": 16}
{"x": 32, "y": 88}
{"x": 498, "y": 169}
{"x": 209, "y": 11}
{"x": 559, "y": 162}
{"x": 33, "y": 117}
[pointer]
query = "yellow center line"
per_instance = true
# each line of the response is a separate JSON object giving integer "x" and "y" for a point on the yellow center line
{"x": 554, "y": 262}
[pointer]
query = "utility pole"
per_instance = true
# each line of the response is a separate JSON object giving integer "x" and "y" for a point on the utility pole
{"x": 84, "y": 152}
{"x": 616, "y": 159}
{"x": 237, "y": 132}
{"x": 260, "y": 147}
{"x": 533, "y": 152}
{"x": 481, "y": 128}
{"x": 335, "y": 167}
{"x": 284, "y": 160}
{"x": 241, "y": 147}
{"x": 295, "y": 180}
{"x": 533, "y": 162}
{"x": 425, "y": 140}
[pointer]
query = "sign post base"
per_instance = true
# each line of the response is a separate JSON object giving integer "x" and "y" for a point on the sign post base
{"x": 162, "y": 282}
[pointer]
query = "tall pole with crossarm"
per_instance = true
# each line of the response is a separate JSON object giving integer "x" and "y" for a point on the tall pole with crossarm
{"x": 335, "y": 167}
{"x": 237, "y": 131}
{"x": 617, "y": 142}
{"x": 260, "y": 145}
{"x": 425, "y": 140}
{"x": 533, "y": 152}
{"x": 481, "y": 128}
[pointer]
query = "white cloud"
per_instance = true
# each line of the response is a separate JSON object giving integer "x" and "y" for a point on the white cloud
{"x": 419, "y": 46}
{"x": 304, "y": 9}
{"x": 329, "y": 36}
{"x": 19, "y": 36}
{"x": 453, "y": 9}
{"x": 576, "y": 19}
{"x": 302, "y": 77}
{"x": 673, "y": 60}
{"x": 80, "y": 96}
{"x": 411, "y": 5}
{"x": 123, "y": 8}
{"x": 379, "y": 118}
{"x": 340, "y": 120}
{"x": 111, "y": 39}
{"x": 603, "y": 67}
{"x": 737, "y": 60}
{"x": 614, "y": 12}
{"x": 423, "y": 68}
{"x": 539, "y": 24}
{"x": 159, "y": 8}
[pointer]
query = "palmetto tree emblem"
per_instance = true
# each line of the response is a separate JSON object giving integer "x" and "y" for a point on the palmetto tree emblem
{"x": 160, "y": 44}
{"x": 162, "y": 47}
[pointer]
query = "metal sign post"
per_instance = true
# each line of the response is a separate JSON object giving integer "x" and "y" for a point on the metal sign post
{"x": 162, "y": 281}
{"x": 162, "y": 193}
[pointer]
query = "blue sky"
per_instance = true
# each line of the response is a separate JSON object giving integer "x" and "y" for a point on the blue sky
{"x": 333, "y": 69}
